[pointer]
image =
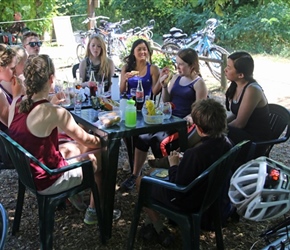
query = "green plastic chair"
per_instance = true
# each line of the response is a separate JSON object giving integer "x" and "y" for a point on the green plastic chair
{"x": 279, "y": 122}
{"x": 47, "y": 204}
{"x": 3, "y": 226}
{"x": 189, "y": 223}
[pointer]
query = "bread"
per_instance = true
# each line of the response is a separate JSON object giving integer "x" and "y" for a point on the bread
{"x": 134, "y": 72}
{"x": 167, "y": 80}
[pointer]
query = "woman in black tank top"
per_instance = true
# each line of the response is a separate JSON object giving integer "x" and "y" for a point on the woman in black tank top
{"x": 249, "y": 118}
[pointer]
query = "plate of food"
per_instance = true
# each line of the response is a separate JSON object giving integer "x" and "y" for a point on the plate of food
{"x": 160, "y": 173}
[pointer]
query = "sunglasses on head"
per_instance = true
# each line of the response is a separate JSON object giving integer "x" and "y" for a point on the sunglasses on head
{"x": 33, "y": 44}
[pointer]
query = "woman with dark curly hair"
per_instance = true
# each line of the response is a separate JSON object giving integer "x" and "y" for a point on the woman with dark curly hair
{"x": 139, "y": 66}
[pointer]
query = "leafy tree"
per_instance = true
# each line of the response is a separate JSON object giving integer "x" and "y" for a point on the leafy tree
{"x": 30, "y": 9}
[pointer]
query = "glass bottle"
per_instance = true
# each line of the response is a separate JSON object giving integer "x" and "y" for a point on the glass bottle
{"x": 130, "y": 114}
{"x": 139, "y": 95}
{"x": 92, "y": 84}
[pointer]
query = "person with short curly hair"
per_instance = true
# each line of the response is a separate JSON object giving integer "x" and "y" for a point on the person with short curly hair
{"x": 210, "y": 119}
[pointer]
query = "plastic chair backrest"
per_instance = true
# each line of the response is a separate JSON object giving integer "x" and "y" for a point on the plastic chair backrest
{"x": 20, "y": 155}
{"x": 279, "y": 120}
{"x": 216, "y": 176}
{"x": 3, "y": 226}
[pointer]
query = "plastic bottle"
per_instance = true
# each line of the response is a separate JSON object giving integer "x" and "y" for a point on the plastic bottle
{"x": 139, "y": 95}
{"x": 123, "y": 104}
{"x": 115, "y": 91}
{"x": 92, "y": 84}
{"x": 130, "y": 114}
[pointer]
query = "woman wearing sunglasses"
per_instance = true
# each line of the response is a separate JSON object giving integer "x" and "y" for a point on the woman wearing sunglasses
{"x": 31, "y": 43}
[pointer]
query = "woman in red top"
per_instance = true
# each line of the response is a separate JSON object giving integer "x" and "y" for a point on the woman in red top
{"x": 34, "y": 122}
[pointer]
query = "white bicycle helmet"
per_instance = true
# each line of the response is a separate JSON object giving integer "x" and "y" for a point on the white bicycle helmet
{"x": 260, "y": 189}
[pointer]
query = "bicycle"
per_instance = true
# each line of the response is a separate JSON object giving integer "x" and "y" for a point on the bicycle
{"x": 202, "y": 41}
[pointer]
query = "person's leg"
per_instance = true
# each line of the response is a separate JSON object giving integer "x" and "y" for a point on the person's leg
{"x": 142, "y": 144}
{"x": 153, "y": 225}
{"x": 74, "y": 152}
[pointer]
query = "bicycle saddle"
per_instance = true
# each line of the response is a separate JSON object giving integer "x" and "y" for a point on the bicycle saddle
{"x": 179, "y": 35}
{"x": 174, "y": 30}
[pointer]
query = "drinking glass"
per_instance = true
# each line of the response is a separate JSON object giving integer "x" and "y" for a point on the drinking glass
{"x": 78, "y": 103}
{"x": 167, "y": 110}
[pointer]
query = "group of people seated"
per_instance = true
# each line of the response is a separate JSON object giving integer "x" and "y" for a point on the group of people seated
{"x": 34, "y": 119}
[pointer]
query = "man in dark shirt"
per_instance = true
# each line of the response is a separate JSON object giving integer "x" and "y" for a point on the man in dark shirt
{"x": 17, "y": 27}
{"x": 210, "y": 119}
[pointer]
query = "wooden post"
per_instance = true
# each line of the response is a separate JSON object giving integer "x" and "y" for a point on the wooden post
{"x": 223, "y": 75}
{"x": 92, "y": 4}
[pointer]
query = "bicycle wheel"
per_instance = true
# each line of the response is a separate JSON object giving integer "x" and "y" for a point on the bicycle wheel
{"x": 215, "y": 52}
{"x": 81, "y": 51}
{"x": 170, "y": 50}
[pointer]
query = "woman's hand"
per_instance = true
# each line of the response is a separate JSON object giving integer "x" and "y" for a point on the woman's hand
{"x": 164, "y": 74}
{"x": 18, "y": 87}
{"x": 128, "y": 75}
{"x": 57, "y": 98}
{"x": 188, "y": 120}
{"x": 173, "y": 158}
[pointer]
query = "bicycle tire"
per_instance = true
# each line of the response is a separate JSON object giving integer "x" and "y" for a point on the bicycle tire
{"x": 215, "y": 52}
{"x": 81, "y": 51}
{"x": 170, "y": 50}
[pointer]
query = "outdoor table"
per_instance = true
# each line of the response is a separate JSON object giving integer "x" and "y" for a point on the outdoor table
{"x": 111, "y": 142}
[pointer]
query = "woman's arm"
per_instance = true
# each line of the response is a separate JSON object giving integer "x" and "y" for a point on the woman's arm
{"x": 251, "y": 100}
{"x": 112, "y": 67}
{"x": 200, "y": 89}
{"x": 123, "y": 80}
{"x": 68, "y": 125}
{"x": 82, "y": 71}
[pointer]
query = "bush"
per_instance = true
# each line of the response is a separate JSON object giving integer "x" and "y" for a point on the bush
{"x": 257, "y": 32}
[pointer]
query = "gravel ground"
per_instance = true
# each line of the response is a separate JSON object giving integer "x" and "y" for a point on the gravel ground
{"x": 71, "y": 233}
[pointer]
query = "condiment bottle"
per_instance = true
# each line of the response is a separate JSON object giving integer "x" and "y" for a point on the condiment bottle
{"x": 130, "y": 114}
{"x": 139, "y": 95}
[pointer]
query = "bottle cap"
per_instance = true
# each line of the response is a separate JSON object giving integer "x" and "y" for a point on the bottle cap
{"x": 131, "y": 102}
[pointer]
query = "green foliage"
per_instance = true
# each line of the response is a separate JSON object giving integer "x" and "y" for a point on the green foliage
{"x": 264, "y": 31}
{"x": 30, "y": 9}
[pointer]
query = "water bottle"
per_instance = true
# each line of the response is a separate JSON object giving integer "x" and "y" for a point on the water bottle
{"x": 139, "y": 95}
{"x": 123, "y": 104}
{"x": 130, "y": 114}
{"x": 115, "y": 91}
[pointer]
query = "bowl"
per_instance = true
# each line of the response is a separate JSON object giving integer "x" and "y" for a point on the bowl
{"x": 152, "y": 119}
{"x": 109, "y": 118}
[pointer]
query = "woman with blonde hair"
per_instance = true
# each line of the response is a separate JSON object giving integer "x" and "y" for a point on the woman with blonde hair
{"x": 8, "y": 61}
{"x": 96, "y": 60}
{"x": 34, "y": 122}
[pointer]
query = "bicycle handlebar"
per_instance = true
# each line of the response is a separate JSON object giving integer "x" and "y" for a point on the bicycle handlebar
{"x": 94, "y": 18}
